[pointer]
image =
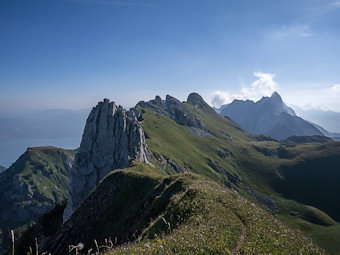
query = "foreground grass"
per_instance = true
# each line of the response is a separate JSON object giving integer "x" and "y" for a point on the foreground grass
{"x": 209, "y": 219}
{"x": 144, "y": 211}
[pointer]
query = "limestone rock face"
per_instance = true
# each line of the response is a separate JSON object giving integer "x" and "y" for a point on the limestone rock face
{"x": 196, "y": 100}
{"x": 112, "y": 138}
{"x": 174, "y": 109}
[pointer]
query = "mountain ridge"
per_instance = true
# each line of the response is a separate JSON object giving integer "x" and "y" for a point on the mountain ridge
{"x": 328, "y": 119}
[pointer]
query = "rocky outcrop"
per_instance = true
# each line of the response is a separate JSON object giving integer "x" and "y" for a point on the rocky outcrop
{"x": 165, "y": 162}
{"x": 271, "y": 204}
{"x": 174, "y": 109}
{"x": 112, "y": 138}
{"x": 197, "y": 101}
{"x": 232, "y": 178}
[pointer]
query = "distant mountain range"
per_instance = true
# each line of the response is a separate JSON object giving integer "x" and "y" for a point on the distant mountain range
{"x": 329, "y": 120}
{"x": 271, "y": 117}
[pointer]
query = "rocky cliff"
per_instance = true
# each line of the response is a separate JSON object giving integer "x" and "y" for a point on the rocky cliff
{"x": 112, "y": 138}
{"x": 174, "y": 109}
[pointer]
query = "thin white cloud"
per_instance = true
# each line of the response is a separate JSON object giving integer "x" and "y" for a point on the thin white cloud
{"x": 335, "y": 89}
{"x": 332, "y": 6}
{"x": 323, "y": 9}
{"x": 306, "y": 34}
{"x": 292, "y": 31}
{"x": 321, "y": 97}
{"x": 311, "y": 106}
{"x": 264, "y": 85}
{"x": 220, "y": 98}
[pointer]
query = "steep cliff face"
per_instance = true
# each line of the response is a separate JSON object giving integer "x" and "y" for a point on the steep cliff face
{"x": 112, "y": 138}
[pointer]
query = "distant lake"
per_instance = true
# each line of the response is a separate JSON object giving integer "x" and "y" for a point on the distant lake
{"x": 60, "y": 128}
{"x": 11, "y": 149}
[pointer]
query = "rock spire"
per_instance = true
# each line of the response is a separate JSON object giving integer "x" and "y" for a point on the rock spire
{"x": 112, "y": 138}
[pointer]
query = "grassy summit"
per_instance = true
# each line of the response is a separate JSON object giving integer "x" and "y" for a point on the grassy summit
{"x": 33, "y": 185}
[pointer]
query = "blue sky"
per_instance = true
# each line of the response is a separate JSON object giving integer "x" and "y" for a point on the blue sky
{"x": 73, "y": 53}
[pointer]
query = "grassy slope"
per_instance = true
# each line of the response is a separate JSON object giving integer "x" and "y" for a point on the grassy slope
{"x": 145, "y": 211}
{"x": 258, "y": 164}
{"x": 40, "y": 171}
{"x": 203, "y": 217}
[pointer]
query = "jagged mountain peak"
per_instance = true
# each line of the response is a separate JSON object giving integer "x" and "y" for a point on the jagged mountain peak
{"x": 170, "y": 100}
{"x": 197, "y": 100}
{"x": 276, "y": 95}
{"x": 176, "y": 110}
{"x": 269, "y": 116}
{"x": 112, "y": 138}
{"x": 275, "y": 100}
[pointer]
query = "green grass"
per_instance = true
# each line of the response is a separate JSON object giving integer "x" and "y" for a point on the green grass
{"x": 42, "y": 169}
{"x": 302, "y": 173}
{"x": 327, "y": 236}
{"x": 206, "y": 218}
{"x": 144, "y": 211}
{"x": 35, "y": 182}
